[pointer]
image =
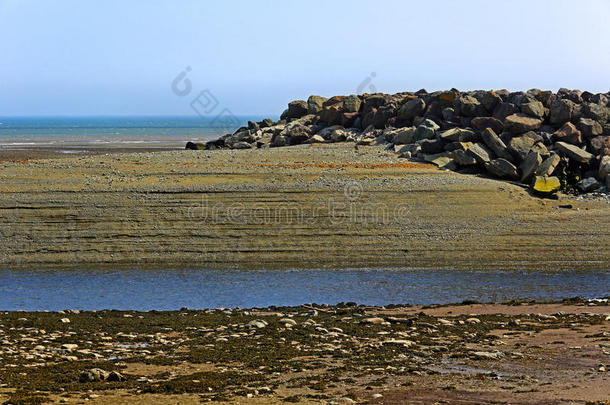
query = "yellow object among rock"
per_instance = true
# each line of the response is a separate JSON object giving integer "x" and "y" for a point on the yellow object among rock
{"x": 546, "y": 185}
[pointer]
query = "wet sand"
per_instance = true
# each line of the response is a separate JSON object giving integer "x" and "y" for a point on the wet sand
{"x": 306, "y": 206}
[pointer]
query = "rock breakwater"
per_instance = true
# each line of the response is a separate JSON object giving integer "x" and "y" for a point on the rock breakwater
{"x": 539, "y": 138}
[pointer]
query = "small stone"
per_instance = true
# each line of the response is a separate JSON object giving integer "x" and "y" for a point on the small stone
{"x": 487, "y": 355}
{"x": 288, "y": 321}
{"x": 400, "y": 342}
{"x": 473, "y": 320}
{"x": 115, "y": 377}
{"x": 458, "y": 135}
{"x": 64, "y": 320}
{"x": 373, "y": 320}
{"x": 69, "y": 346}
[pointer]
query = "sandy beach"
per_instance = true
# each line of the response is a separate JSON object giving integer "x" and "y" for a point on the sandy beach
{"x": 306, "y": 206}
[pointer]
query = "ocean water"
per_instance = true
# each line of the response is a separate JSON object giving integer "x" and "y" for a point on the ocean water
{"x": 144, "y": 289}
{"x": 26, "y": 132}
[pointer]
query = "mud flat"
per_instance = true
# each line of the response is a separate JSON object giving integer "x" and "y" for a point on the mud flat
{"x": 305, "y": 206}
{"x": 518, "y": 353}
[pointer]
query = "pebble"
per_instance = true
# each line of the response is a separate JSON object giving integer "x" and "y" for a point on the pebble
{"x": 64, "y": 320}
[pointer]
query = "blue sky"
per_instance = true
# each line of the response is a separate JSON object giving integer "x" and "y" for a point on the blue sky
{"x": 85, "y": 57}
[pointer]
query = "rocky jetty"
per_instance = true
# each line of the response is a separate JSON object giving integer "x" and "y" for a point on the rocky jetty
{"x": 547, "y": 140}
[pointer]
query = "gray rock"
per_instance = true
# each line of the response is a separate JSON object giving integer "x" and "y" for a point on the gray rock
{"x": 404, "y": 136}
{"x": 480, "y": 152}
{"x": 426, "y": 130}
{"x": 587, "y": 185}
{"x": 573, "y": 152}
{"x": 351, "y": 103}
{"x": 548, "y": 165}
{"x": 604, "y": 168}
{"x": 93, "y": 375}
{"x": 411, "y": 109}
{"x": 463, "y": 159}
{"x": 520, "y": 123}
{"x": 442, "y": 160}
{"x": 490, "y": 100}
{"x": 590, "y": 128}
{"x": 597, "y": 112}
{"x": 600, "y": 145}
{"x": 315, "y": 104}
{"x": 533, "y": 108}
{"x": 448, "y": 113}
{"x": 241, "y": 145}
{"x": 468, "y": 106}
{"x": 503, "y": 110}
{"x": 488, "y": 122}
{"x": 561, "y": 111}
{"x": 520, "y": 147}
{"x": 297, "y": 109}
{"x": 494, "y": 143}
{"x": 529, "y": 166}
{"x": 502, "y": 168}
{"x": 458, "y": 135}
{"x": 431, "y": 146}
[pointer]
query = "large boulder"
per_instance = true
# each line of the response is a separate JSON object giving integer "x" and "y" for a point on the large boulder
{"x": 402, "y": 136}
{"x": 463, "y": 159}
{"x": 604, "y": 168}
{"x": 297, "y": 109}
{"x": 521, "y": 146}
{"x": 315, "y": 104}
{"x": 597, "y": 112}
{"x": 442, "y": 160}
{"x": 488, "y": 122}
{"x": 600, "y": 145}
{"x": 458, "y": 135}
{"x": 195, "y": 146}
{"x": 426, "y": 130}
{"x": 490, "y": 100}
{"x": 574, "y": 152}
{"x": 480, "y": 152}
{"x": 411, "y": 109}
{"x": 503, "y": 110}
{"x": 502, "y": 168}
{"x": 468, "y": 106}
{"x": 529, "y": 166}
{"x": 297, "y": 134}
{"x": 520, "y": 123}
{"x": 588, "y": 184}
{"x": 590, "y": 128}
{"x": 431, "y": 146}
{"x": 494, "y": 143}
{"x": 351, "y": 104}
{"x": 561, "y": 111}
{"x": 533, "y": 108}
{"x": 548, "y": 165}
{"x": 568, "y": 133}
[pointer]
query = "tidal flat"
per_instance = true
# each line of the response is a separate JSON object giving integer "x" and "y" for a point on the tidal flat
{"x": 520, "y": 352}
{"x": 308, "y": 206}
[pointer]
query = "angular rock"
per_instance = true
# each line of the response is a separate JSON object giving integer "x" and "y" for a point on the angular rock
{"x": 315, "y": 104}
{"x": 597, "y": 112}
{"x": 195, "y": 146}
{"x": 574, "y": 152}
{"x": 548, "y": 165}
{"x": 453, "y": 146}
{"x": 442, "y": 160}
{"x": 502, "y": 168}
{"x": 468, "y": 106}
{"x": 529, "y": 166}
{"x": 316, "y": 139}
{"x": 426, "y": 130}
{"x": 604, "y": 168}
{"x": 488, "y": 122}
{"x": 561, "y": 111}
{"x": 587, "y": 185}
{"x": 568, "y": 133}
{"x": 490, "y": 100}
{"x": 431, "y": 146}
{"x": 520, "y": 147}
{"x": 533, "y": 108}
{"x": 545, "y": 186}
{"x": 93, "y": 375}
{"x": 600, "y": 145}
{"x": 520, "y": 123}
{"x": 463, "y": 159}
{"x": 411, "y": 109}
{"x": 458, "y": 135}
{"x": 503, "y": 110}
{"x": 494, "y": 143}
{"x": 297, "y": 109}
{"x": 404, "y": 136}
{"x": 351, "y": 103}
{"x": 590, "y": 128}
{"x": 480, "y": 152}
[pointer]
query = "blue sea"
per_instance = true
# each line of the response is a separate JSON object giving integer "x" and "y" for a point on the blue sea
{"x": 164, "y": 131}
